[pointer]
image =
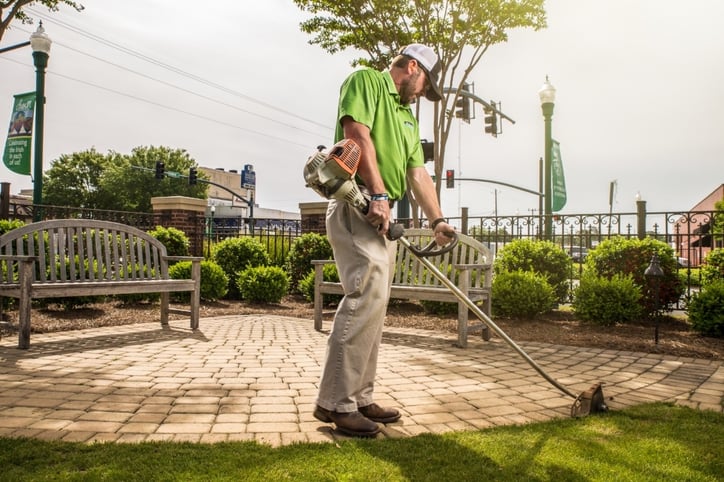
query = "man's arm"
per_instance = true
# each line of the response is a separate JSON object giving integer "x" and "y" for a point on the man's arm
{"x": 423, "y": 189}
{"x": 379, "y": 211}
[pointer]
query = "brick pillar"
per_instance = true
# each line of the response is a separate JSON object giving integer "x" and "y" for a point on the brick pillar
{"x": 185, "y": 214}
{"x": 313, "y": 217}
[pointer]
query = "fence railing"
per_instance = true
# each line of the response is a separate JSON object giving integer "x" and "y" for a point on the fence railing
{"x": 691, "y": 234}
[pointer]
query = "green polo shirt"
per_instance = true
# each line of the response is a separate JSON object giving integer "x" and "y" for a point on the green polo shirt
{"x": 369, "y": 97}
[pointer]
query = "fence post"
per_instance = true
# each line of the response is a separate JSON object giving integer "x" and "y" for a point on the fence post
{"x": 4, "y": 200}
{"x": 641, "y": 217}
{"x": 464, "y": 220}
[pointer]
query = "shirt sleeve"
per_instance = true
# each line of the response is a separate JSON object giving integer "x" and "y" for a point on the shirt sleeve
{"x": 358, "y": 98}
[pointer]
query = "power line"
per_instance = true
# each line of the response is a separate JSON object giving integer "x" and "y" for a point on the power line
{"x": 211, "y": 99}
{"x": 171, "y": 68}
{"x": 158, "y": 104}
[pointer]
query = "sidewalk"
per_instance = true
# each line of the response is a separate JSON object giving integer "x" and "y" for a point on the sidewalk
{"x": 254, "y": 377}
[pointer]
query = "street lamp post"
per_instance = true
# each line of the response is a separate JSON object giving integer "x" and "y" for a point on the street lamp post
{"x": 655, "y": 273}
{"x": 547, "y": 95}
{"x": 40, "y": 43}
{"x": 210, "y": 231}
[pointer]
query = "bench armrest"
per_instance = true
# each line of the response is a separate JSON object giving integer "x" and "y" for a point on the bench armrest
{"x": 322, "y": 261}
{"x": 184, "y": 258}
{"x": 473, "y": 266}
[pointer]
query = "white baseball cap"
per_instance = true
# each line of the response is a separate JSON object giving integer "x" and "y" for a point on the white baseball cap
{"x": 427, "y": 59}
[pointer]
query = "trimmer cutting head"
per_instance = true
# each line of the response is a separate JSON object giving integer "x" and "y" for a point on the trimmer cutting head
{"x": 588, "y": 402}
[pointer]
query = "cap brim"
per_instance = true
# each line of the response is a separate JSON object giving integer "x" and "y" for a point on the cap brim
{"x": 432, "y": 93}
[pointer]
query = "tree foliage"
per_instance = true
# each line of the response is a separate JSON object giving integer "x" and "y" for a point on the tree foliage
{"x": 15, "y": 9}
{"x": 718, "y": 222}
{"x": 114, "y": 181}
{"x": 460, "y": 31}
{"x": 74, "y": 179}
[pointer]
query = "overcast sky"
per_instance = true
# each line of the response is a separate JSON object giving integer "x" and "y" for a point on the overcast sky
{"x": 639, "y": 97}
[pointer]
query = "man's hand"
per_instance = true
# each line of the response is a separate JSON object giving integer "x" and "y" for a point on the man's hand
{"x": 443, "y": 233}
{"x": 378, "y": 214}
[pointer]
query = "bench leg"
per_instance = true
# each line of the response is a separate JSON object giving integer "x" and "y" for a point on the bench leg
{"x": 25, "y": 277}
{"x": 195, "y": 295}
{"x": 463, "y": 284}
{"x": 487, "y": 309}
{"x": 462, "y": 325}
{"x": 318, "y": 297}
{"x": 164, "y": 308}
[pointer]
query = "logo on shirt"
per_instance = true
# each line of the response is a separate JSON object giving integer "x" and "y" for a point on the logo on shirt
{"x": 409, "y": 124}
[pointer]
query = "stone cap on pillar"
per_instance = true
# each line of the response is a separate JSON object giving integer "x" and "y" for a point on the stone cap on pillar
{"x": 178, "y": 203}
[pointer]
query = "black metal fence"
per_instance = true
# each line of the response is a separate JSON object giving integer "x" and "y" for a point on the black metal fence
{"x": 691, "y": 234}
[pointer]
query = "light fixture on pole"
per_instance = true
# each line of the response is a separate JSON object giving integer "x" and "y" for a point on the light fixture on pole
{"x": 40, "y": 43}
{"x": 547, "y": 94}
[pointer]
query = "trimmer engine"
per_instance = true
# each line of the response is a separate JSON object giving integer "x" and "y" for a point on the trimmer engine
{"x": 331, "y": 174}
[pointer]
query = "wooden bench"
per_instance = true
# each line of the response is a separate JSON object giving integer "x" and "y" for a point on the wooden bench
{"x": 468, "y": 265}
{"x": 81, "y": 257}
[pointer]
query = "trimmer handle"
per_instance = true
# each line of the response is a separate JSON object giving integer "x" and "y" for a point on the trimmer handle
{"x": 397, "y": 231}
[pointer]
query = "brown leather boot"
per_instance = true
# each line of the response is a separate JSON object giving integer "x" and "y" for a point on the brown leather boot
{"x": 380, "y": 414}
{"x": 350, "y": 423}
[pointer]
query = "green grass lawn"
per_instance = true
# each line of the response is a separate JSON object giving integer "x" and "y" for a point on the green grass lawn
{"x": 656, "y": 442}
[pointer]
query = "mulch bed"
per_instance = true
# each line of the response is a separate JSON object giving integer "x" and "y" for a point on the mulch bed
{"x": 560, "y": 327}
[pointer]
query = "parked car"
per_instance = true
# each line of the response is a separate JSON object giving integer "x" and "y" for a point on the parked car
{"x": 577, "y": 253}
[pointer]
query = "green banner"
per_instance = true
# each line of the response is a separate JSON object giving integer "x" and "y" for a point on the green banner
{"x": 558, "y": 181}
{"x": 16, "y": 156}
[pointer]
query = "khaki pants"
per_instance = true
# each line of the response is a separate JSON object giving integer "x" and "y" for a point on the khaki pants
{"x": 365, "y": 262}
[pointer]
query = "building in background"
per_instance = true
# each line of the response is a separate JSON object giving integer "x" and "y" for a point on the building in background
{"x": 694, "y": 236}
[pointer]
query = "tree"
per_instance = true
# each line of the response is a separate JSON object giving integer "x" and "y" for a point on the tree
{"x": 15, "y": 9}
{"x": 74, "y": 179}
{"x": 133, "y": 188}
{"x": 115, "y": 182}
{"x": 460, "y": 31}
{"x": 718, "y": 221}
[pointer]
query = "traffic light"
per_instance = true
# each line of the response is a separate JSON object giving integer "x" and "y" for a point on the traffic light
{"x": 463, "y": 105}
{"x": 491, "y": 122}
{"x": 192, "y": 176}
{"x": 160, "y": 169}
{"x": 450, "y": 178}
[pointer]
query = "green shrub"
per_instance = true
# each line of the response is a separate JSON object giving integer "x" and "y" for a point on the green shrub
{"x": 706, "y": 310}
{"x": 690, "y": 276}
{"x": 263, "y": 284}
{"x": 9, "y": 224}
{"x": 541, "y": 257}
{"x": 133, "y": 298}
{"x": 304, "y": 249}
{"x": 278, "y": 246}
{"x": 713, "y": 268}
{"x": 235, "y": 255}
{"x": 214, "y": 282}
{"x": 71, "y": 302}
{"x": 607, "y": 301}
{"x": 175, "y": 240}
{"x": 306, "y": 285}
{"x": 620, "y": 256}
{"x": 522, "y": 294}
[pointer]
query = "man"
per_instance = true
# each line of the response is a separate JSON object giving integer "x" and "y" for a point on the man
{"x": 374, "y": 111}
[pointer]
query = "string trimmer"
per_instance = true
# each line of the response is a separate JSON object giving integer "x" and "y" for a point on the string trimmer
{"x": 331, "y": 174}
